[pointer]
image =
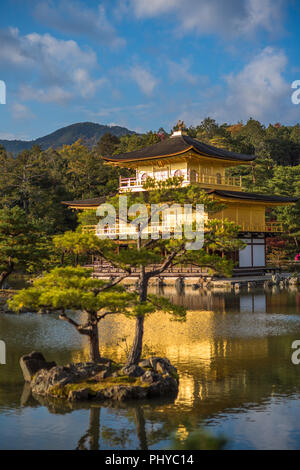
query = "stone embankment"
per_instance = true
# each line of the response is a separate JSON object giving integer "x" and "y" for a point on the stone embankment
{"x": 283, "y": 280}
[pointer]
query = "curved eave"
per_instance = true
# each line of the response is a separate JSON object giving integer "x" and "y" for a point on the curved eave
{"x": 70, "y": 206}
{"x": 253, "y": 201}
{"x": 131, "y": 160}
{"x": 82, "y": 205}
{"x": 221, "y": 195}
{"x": 116, "y": 162}
{"x": 258, "y": 199}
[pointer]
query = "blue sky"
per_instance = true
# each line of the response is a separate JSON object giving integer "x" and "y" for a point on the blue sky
{"x": 144, "y": 64}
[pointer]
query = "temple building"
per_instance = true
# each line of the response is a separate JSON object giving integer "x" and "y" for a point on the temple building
{"x": 207, "y": 166}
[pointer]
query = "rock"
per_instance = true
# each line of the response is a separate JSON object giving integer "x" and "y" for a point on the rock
{"x": 82, "y": 394}
{"x": 145, "y": 363}
{"x": 133, "y": 371}
{"x": 58, "y": 376}
{"x": 276, "y": 278}
{"x": 88, "y": 369}
{"x": 117, "y": 373}
{"x": 150, "y": 377}
{"x": 294, "y": 280}
{"x": 71, "y": 382}
{"x": 162, "y": 360}
{"x": 32, "y": 363}
{"x": 105, "y": 362}
{"x": 103, "y": 374}
{"x": 166, "y": 386}
{"x": 267, "y": 284}
{"x": 122, "y": 393}
{"x": 162, "y": 369}
{"x": 179, "y": 284}
{"x": 251, "y": 284}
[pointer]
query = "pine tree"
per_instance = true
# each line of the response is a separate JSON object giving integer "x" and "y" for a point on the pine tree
{"x": 152, "y": 257}
{"x": 22, "y": 245}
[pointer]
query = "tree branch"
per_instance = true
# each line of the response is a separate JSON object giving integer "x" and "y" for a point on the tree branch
{"x": 112, "y": 283}
{"x": 115, "y": 265}
{"x": 100, "y": 317}
{"x": 81, "y": 329}
{"x": 165, "y": 265}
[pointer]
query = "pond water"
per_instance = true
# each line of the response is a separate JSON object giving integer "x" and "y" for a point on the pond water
{"x": 233, "y": 355}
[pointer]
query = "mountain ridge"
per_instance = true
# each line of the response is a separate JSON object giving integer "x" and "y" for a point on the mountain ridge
{"x": 89, "y": 132}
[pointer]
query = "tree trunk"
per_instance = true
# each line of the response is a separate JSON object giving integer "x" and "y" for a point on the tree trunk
{"x": 93, "y": 433}
{"x": 94, "y": 339}
{"x": 4, "y": 275}
{"x": 140, "y": 424}
{"x": 137, "y": 347}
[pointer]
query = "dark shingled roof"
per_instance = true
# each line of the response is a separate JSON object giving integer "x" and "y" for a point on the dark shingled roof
{"x": 219, "y": 192}
{"x": 253, "y": 196}
{"x": 86, "y": 202}
{"x": 177, "y": 145}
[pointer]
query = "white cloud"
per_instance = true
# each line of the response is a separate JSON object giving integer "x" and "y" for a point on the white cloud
{"x": 20, "y": 111}
{"x": 230, "y": 17}
{"x": 119, "y": 110}
{"x": 181, "y": 72}
{"x": 43, "y": 50}
{"x": 53, "y": 94}
{"x": 77, "y": 19}
{"x": 145, "y": 80}
{"x": 87, "y": 86}
{"x": 56, "y": 50}
{"x": 259, "y": 89}
{"x": 9, "y": 136}
{"x": 53, "y": 70}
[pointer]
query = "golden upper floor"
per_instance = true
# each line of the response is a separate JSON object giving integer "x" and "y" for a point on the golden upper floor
{"x": 184, "y": 157}
{"x": 206, "y": 172}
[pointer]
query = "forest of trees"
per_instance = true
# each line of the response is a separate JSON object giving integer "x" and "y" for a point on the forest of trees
{"x": 37, "y": 181}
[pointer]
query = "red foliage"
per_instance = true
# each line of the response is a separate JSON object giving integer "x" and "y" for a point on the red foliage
{"x": 275, "y": 242}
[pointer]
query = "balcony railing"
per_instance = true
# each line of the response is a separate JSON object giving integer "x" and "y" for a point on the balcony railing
{"x": 129, "y": 183}
{"x": 132, "y": 230}
{"x": 217, "y": 180}
{"x": 135, "y": 184}
{"x": 268, "y": 227}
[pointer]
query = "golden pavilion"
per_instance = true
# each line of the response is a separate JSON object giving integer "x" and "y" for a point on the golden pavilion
{"x": 198, "y": 163}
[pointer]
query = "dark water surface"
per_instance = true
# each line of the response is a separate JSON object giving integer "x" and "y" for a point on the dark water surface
{"x": 233, "y": 355}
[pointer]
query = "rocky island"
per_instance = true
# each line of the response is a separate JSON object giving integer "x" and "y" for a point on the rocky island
{"x": 153, "y": 377}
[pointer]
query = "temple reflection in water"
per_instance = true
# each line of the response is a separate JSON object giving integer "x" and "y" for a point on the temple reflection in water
{"x": 233, "y": 355}
{"x": 225, "y": 351}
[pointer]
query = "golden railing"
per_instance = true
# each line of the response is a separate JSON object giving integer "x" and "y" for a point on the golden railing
{"x": 129, "y": 182}
{"x": 268, "y": 227}
{"x": 218, "y": 180}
